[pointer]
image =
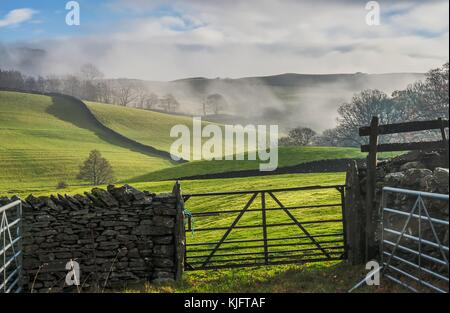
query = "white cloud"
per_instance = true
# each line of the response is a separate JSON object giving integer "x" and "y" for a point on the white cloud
{"x": 250, "y": 38}
{"x": 16, "y": 17}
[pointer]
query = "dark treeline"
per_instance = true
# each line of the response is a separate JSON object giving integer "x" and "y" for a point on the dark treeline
{"x": 89, "y": 84}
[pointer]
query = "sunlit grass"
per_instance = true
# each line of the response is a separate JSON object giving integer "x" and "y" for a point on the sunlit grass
{"x": 325, "y": 277}
{"x": 42, "y": 143}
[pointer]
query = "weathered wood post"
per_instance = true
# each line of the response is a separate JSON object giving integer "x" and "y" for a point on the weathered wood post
{"x": 444, "y": 140}
{"x": 180, "y": 234}
{"x": 370, "y": 189}
{"x": 354, "y": 215}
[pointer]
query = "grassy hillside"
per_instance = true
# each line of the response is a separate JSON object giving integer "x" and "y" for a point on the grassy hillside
{"x": 287, "y": 156}
{"x": 147, "y": 127}
{"x": 44, "y": 140}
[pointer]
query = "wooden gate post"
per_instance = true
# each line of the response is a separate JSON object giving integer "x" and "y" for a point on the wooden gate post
{"x": 354, "y": 216}
{"x": 444, "y": 140}
{"x": 370, "y": 189}
{"x": 179, "y": 234}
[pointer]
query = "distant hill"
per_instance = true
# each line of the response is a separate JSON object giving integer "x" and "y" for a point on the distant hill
{"x": 287, "y": 99}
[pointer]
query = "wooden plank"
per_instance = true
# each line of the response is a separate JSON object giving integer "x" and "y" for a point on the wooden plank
{"x": 405, "y": 127}
{"x": 344, "y": 220}
{"x": 408, "y": 146}
{"x": 444, "y": 140}
{"x": 370, "y": 187}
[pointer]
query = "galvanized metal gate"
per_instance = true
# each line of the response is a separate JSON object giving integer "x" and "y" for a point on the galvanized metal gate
{"x": 11, "y": 247}
{"x": 409, "y": 259}
{"x": 309, "y": 241}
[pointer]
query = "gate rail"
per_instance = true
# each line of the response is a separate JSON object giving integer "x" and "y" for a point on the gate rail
{"x": 214, "y": 253}
{"x": 419, "y": 270}
{"x": 11, "y": 248}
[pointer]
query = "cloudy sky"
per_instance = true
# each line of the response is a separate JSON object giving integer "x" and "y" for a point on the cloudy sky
{"x": 166, "y": 40}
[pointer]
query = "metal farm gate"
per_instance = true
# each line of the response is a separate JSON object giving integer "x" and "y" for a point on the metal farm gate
{"x": 414, "y": 244}
{"x": 264, "y": 231}
{"x": 10, "y": 247}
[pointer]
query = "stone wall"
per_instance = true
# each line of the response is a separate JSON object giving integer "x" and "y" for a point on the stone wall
{"x": 418, "y": 170}
{"x": 119, "y": 236}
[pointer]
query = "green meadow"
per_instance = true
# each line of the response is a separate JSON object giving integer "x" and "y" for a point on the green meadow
{"x": 44, "y": 140}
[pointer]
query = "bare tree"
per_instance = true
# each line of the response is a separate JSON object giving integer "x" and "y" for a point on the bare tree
{"x": 151, "y": 101}
{"x": 90, "y": 72}
{"x": 426, "y": 100}
{"x": 169, "y": 103}
{"x": 105, "y": 91}
{"x": 124, "y": 94}
{"x": 30, "y": 83}
{"x": 359, "y": 112}
{"x": 72, "y": 85}
{"x": 52, "y": 84}
{"x": 145, "y": 99}
{"x": 215, "y": 102}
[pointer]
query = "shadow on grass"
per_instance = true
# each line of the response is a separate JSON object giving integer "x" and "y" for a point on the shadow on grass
{"x": 74, "y": 111}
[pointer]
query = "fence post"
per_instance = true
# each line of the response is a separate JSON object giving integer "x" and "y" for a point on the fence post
{"x": 180, "y": 234}
{"x": 354, "y": 216}
{"x": 344, "y": 220}
{"x": 444, "y": 141}
{"x": 370, "y": 188}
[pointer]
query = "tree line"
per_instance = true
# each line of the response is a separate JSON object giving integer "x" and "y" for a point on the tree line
{"x": 90, "y": 84}
{"x": 421, "y": 100}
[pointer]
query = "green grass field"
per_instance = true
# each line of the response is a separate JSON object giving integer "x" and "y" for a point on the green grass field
{"x": 237, "y": 202}
{"x": 147, "y": 127}
{"x": 153, "y": 128}
{"x": 334, "y": 276}
{"x": 323, "y": 277}
{"x": 43, "y": 142}
{"x": 287, "y": 156}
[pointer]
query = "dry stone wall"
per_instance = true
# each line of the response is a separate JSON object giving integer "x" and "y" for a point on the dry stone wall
{"x": 418, "y": 170}
{"x": 119, "y": 236}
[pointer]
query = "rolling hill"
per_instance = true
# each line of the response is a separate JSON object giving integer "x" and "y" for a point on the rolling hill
{"x": 44, "y": 140}
{"x": 146, "y": 127}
